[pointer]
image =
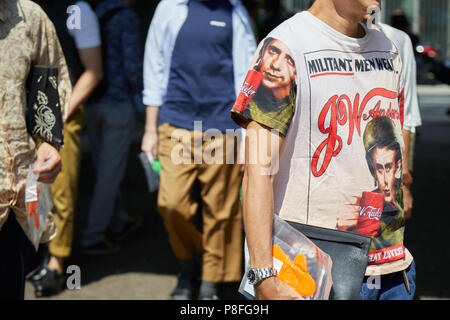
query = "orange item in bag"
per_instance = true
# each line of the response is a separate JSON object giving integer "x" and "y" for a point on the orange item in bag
{"x": 300, "y": 261}
{"x": 279, "y": 254}
{"x": 295, "y": 274}
{"x": 32, "y": 209}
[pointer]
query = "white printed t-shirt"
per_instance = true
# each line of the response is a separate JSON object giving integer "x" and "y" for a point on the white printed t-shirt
{"x": 338, "y": 102}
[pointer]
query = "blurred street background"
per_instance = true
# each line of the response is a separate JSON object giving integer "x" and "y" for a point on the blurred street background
{"x": 145, "y": 266}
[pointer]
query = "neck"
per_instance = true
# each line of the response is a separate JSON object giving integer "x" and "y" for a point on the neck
{"x": 339, "y": 15}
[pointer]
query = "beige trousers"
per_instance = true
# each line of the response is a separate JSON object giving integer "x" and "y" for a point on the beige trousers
{"x": 65, "y": 187}
{"x": 221, "y": 239}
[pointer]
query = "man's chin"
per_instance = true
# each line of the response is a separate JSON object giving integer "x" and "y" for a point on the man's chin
{"x": 388, "y": 198}
{"x": 269, "y": 83}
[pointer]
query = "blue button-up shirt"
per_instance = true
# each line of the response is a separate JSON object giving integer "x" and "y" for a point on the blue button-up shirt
{"x": 123, "y": 55}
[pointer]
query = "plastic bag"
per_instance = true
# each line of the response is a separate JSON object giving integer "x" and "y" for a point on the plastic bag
{"x": 312, "y": 279}
{"x": 152, "y": 169}
{"x": 38, "y": 203}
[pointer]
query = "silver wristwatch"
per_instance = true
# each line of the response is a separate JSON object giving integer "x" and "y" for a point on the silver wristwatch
{"x": 255, "y": 275}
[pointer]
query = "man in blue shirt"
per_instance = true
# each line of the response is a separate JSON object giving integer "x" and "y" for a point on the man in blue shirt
{"x": 196, "y": 57}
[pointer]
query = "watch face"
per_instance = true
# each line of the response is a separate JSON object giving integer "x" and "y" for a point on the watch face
{"x": 251, "y": 276}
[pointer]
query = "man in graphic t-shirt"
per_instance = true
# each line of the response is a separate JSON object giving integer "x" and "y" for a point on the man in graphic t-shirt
{"x": 347, "y": 76}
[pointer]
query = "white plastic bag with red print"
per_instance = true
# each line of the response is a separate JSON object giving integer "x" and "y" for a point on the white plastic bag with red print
{"x": 38, "y": 202}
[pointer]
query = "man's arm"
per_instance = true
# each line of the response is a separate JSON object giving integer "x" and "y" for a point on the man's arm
{"x": 150, "y": 138}
{"x": 154, "y": 68}
{"x": 257, "y": 191}
{"x": 257, "y": 194}
{"x": 412, "y": 119}
{"x": 406, "y": 176}
{"x": 91, "y": 59}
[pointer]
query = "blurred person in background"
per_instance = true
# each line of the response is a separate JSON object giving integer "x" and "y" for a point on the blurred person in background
{"x": 411, "y": 118}
{"x": 81, "y": 44}
{"x": 196, "y": 57}
{"x": 400, "y": 21}
{"x": 110, "y": 122}
{"x": 28, "y": 38}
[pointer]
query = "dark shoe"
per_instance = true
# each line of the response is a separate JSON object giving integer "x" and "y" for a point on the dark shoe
{"x": 38, "y": 274}
{"x": 40, "y": 270}
{"x": 212, "y": 296}
{"x": 104, "y": 247}
{"x": 181, "y": 294}
{"x": 132, "y": 225}
{"x": 208, "y": 291}
{"x": 49, "y": 284}
{"x": 186, "y": 281}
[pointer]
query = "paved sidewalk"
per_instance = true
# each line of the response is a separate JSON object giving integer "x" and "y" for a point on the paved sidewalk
{"x": 432, "y": 96}
{"x": 126, "y": 286}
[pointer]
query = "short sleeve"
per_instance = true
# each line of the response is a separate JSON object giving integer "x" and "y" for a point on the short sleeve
{"x": 268, "y": 95}
{"x": 401, "y": 97}
{"x": 88, "y": 34}
{"x": 412, "y": 118}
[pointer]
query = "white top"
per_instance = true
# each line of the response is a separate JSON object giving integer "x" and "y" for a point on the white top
{"x": 346, "y": 84}
{"x": 403, "y": 43}
{"x": 344, "y": 138}
{"x": 88, "y": 34}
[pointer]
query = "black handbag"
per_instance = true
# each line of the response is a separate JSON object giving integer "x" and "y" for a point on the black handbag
{"x": 43, "y": 112}
{"x": 349, "y": 253}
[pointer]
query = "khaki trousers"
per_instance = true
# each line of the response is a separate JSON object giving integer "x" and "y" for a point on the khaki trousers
{"x": 221, "y": 240}
{"x": 65, "y": 187}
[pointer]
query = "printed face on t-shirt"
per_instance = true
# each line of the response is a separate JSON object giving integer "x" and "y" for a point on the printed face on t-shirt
{"x": 278, "y": 69}
{"x": 385, "y": 172}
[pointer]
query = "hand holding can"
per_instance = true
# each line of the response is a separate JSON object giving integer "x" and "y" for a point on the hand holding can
{"x": 370, "y": 211}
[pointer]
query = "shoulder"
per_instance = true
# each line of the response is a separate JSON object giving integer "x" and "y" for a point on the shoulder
{"x": 84, "y": 6}
{"x": 86, "y": 11}
{"x": 287, "y": 33}
{"x": 167, "y": 11}
{"x": 288, "y": 24}
{"x": 399, "y": 37}
{"x": 33, "y": 11}
{"x": 165, "y": 5}
{"x": 393, "y": 32}
{"x": 288, "y": 30}
{"x": 381, "y": 42}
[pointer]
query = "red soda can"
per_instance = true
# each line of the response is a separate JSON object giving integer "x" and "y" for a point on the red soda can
{"x": 370, "y": 211}
{"x": 249, "y": 88}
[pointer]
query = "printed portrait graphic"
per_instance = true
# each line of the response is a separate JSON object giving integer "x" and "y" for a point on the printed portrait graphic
{"x": 269, "y": 92}
{"x": 384, "y": 158}
{"x": 382, "y": 206}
